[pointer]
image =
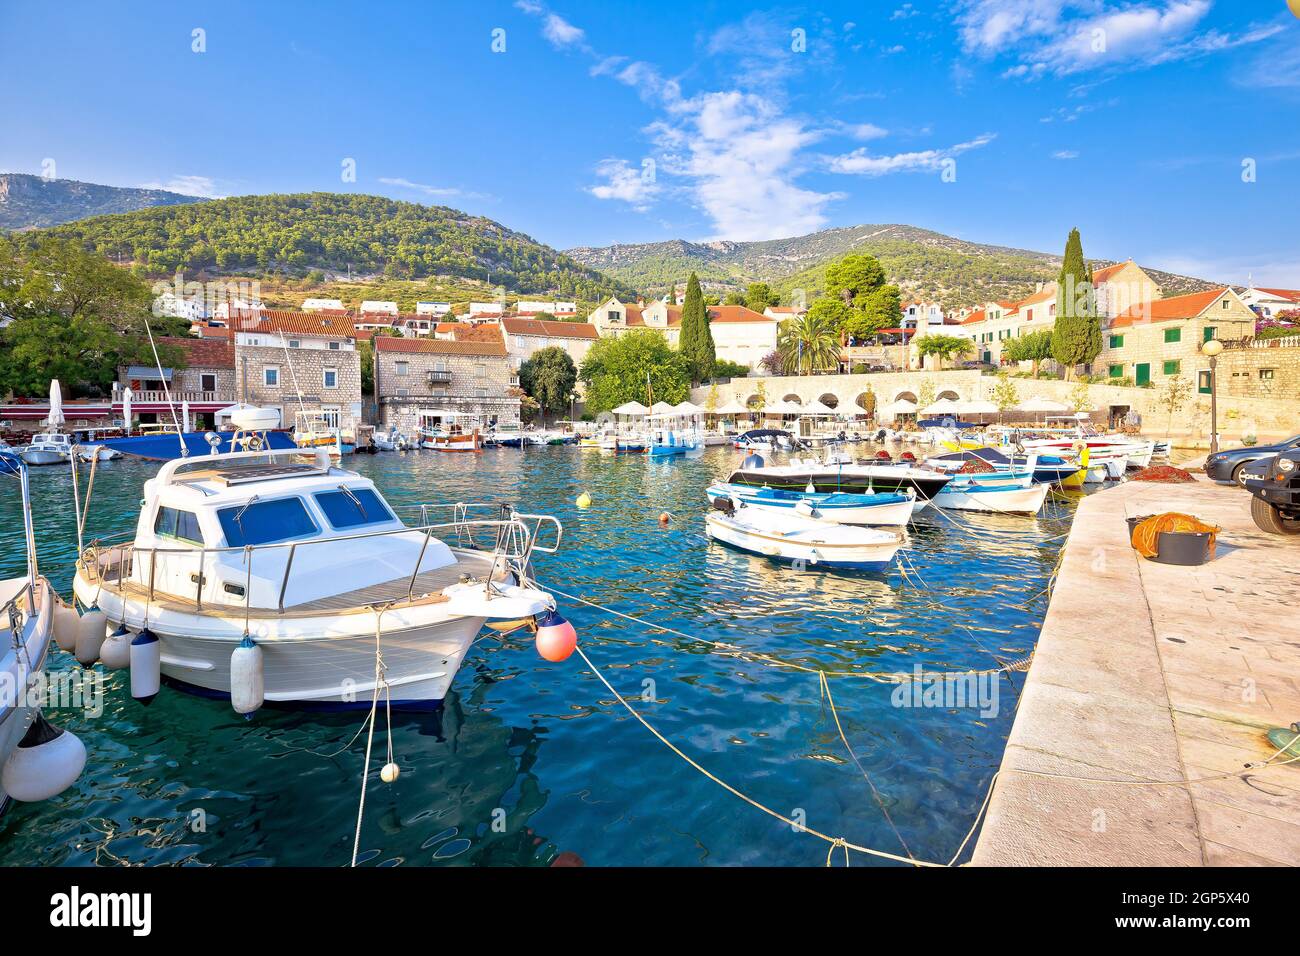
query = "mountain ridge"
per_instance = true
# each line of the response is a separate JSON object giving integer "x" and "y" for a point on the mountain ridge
{"x": 34, "y": 202}
{"x": 924, "y": 263}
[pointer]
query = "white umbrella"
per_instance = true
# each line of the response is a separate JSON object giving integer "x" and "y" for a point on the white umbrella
{"x": 631, "y": 408}
{"x": 686, "y": 408}
{"x": 126, "y": 410}
{"x": 661, "y": 408}
{"x": 185, "y": 416}
{"x": 783, "y": 408}
{"x": 977, "y": 407}
{"x": 55, "y": 418}
{"x": 818, "y": 408}
{"x": 900, "y": 407}
{"x": 732, "y": 407}
{"x": 943, "y": 406}
{"x": 1041, "y": 405}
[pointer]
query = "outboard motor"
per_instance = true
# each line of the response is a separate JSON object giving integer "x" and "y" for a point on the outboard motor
{"x": 725, "y": 505}
{"x": 753, "y": 460}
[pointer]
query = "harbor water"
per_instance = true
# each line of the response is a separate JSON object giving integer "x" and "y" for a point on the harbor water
{"x": 529, "y": 760}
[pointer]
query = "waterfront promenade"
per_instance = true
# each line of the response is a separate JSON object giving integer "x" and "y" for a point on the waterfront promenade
{"x": 1146, "y": 672}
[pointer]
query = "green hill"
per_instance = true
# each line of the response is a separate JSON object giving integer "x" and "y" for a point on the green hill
{"x": 925, "y": 264}
{"x": 330, "y": 235}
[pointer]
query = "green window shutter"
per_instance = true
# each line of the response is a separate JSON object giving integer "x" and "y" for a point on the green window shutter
{"x": 1117, "y": 371}
{"x": 1203, "y": 382}
{"x": 1172, "y": 366}
{"x": 1207, "y": 333}
{"x": 1117, "y": 341}
{"x": 1173, "y": 335}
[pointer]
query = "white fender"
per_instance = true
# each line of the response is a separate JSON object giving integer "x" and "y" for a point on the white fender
{"x": 90, "y": 635}
{"x": 115, "y": 652}
{"x": 45, "y": 763}
{"x": 247, "y": 680}
{"x": 146, "y": 666}
{"x": 65, "y": 626}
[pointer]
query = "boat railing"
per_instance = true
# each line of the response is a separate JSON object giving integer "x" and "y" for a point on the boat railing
{"x": 513, "y": 542}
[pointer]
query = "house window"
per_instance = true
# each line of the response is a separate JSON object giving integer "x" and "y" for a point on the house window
{"x": 1203, "y": 382}
{"x": 1117, "y": 341}
{"x": 401, "y": 368}
{"x": 1172, "y": 366}
{"x": 295, "y": 344}
{"x": 1173, "y": 335}
{"x": 271, "y": 376}
{"x": 612, "y": 316}
{"x": 1227, "y": 303}
{"x": 1266, "y": 375}
{"x": 1117, "y": 371}
{"x": 481, "y": 370}
{"x": 334, "y": 346}
{"x": 331, "y": 376}
{"x": 207, "y": 383}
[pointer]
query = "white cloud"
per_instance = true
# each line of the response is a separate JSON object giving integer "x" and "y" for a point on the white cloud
{"x": 1066, "y": 154}
{"x": 636, "y": 187}
{"x": 433, "y": 192}
{"x": 865, "y": 131}
{"x": 560, "y": 31}
{"x": 1069, "y": 36}
{"x": 861, "y": 162}
{"x": 201, "y": 186}
{"x": 903, "y": 13}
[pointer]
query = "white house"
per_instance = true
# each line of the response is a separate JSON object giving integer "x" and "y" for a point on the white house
{"x": 487, "y": 308}
{"x": 433, "y": 308}
{"x": 378, "y": 307}
{"x": 322, "y": 305}
{"x": 532, "y": 307}
{"x": 922, "y": 316}
{"x": 1269, "y": 303}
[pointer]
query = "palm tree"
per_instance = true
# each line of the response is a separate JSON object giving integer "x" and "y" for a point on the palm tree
{"x": 808, "y": 344}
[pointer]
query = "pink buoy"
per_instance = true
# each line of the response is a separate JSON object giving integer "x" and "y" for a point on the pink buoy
{"x": 556, "y": 638}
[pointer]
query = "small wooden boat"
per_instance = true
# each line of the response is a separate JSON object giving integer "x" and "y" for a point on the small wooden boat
{"x": 797, "y": 539}
{"x": 1016, "y": 497}
{"x": 885, "y": 508}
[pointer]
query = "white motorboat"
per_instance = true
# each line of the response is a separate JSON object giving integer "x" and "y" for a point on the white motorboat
{"x": 47, "y": 448}
{"x": 306, "y": 565}
{"x": 799, "y": 539}
{"x": 392, "y": 440}
{"x": 37, "y": 760}
{"x": 1015, "y": 496}
{"x": 883, "y": 508}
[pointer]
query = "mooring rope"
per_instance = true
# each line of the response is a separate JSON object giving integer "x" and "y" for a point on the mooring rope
{"x": 380, "y": 671}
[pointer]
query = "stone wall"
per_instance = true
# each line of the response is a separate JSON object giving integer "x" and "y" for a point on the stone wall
{"x": 1268, "y": 369}
{"x": 476, "y": 384}
{"x": 308, "y": 367}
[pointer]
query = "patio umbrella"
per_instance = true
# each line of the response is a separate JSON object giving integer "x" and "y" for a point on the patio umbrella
{"x": 631, "y": 408}
{"x": 815, "y": 408}
{"x": 185, "y": 416}
{"x": 977, "y": 407}
{"x": 661, "y": 408}
{"x": 55, "y": 418}
{"x": 944, "y": 406}
{"x": 686, "y": 408}
{"x": 1044, "y": 405}
{"x": 900, "y": 407}
{"x": 126, "y": 410}
{"x": 732, "y": 407}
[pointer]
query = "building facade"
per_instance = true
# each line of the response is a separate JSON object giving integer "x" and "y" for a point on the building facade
{"x": 525, "y": 337}
{"x": 1271, "y": 303}
{"x": 205, "y": 384}
{"x": 428, "y": 374}
{"x": 740, "y": 334}
{"x": 1120, "y": 287}
{"x": 299, "y": 362}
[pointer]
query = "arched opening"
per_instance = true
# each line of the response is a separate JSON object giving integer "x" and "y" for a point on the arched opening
{"x": 948, "y": 394}
{"x": 792, "y": 397}
{"x": 906, "y": 396}
{"x": 754, "y": 402}
{"x": 830, "y": 400}
{"x": 867, "y": 402}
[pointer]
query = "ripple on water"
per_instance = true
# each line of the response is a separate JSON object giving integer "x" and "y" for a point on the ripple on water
{"x": 528, "y": 759}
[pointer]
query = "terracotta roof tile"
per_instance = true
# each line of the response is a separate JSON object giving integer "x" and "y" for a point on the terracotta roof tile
{"x": 736, "y": 313}
{"x": 203, "y": 353}
{"x": 1291, "y": 294}
{"x": 1166, "y": 310}
{"x": 557, "y": 330}
{"x": 390, "y": 343}
{"x": 298, "y": 323}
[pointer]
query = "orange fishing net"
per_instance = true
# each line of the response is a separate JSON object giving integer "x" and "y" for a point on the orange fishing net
{"x": 1146, "y": 534}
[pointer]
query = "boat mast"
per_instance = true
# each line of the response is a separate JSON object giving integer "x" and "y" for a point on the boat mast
{"x": 180, "y": 432}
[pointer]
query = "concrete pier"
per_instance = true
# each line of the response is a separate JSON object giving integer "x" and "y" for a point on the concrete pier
{"x": 1145, "y": 672}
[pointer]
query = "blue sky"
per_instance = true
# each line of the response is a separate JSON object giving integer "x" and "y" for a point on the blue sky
{"x": 584, "y": 123}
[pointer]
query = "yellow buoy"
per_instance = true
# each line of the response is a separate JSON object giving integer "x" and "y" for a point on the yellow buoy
{"x": 584, "y": 500}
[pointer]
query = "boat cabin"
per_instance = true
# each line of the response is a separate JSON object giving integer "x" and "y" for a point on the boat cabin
{"x": 309, "y": 526}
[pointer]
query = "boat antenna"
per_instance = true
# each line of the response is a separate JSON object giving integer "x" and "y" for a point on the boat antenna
{"x": 167, "y": 392}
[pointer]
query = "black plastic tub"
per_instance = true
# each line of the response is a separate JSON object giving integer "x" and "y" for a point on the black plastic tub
{"x": 1190, "y": 548}
{"x": 1134, "y": 522}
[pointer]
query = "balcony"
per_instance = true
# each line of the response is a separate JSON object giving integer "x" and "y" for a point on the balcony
{"x": 439, "y": 378}
{"x": 147, "y": 395}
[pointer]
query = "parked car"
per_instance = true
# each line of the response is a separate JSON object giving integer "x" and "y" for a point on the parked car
{"x": 1274, "y": 485}
{"x": 1228, "y": 465}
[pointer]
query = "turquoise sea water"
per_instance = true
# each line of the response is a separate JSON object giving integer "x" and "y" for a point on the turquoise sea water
{"x": 530, "y": 759}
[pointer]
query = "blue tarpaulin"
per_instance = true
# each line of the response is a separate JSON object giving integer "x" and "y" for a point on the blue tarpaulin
{"x": 166, "y": 447}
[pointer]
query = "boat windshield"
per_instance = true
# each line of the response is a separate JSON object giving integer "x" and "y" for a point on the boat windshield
{"x": 353, "y": 508}
{"x": 266, "y": 522}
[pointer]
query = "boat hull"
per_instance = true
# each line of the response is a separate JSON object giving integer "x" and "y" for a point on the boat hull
{"x": 43, "y": 457}
{"x": 805, "y": 550}
{"x": 997, "y": 499}
{"x": 853, "y": 482}
{"x": 893, "y": 514}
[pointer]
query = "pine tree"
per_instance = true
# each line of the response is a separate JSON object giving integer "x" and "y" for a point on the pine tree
{"x": 696, "y": 340}
{"x": 1076, "y": 336}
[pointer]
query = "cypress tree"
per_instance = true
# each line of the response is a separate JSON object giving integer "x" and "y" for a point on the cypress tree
{"x": 1076, "y": 335}
{"x": 695, "y": 340}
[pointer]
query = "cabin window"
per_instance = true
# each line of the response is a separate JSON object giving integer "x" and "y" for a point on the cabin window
{"x": 271, "y": 376}
{"x": 356, "y": 507}
{"x": 181, "y": 525}
{"x": 265, "y": 522}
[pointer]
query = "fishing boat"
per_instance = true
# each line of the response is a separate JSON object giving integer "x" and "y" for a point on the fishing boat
{"x": 795, "y": 538}
{"x": 1048, "y": 469}
{"x": 315, "y": 430}
{"x": 882, "y": 508}
{"x": 1009, "y": 497}
{"x": 670, "y": 442}
{"x": 47, "y": 448}
{"x": 447, "y": 430}
{"x": 268, "y": 579}
{"x": 37, "y": 760}
{"x": 392, "y": 440}
{"x": 859, "y": 479}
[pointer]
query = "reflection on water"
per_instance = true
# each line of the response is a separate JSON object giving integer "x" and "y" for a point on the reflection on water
{"x": 528, "y": 758}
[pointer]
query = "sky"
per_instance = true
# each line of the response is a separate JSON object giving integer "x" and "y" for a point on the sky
{"x": 1165, "y": 130}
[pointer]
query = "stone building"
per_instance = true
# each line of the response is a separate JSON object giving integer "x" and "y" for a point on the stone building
{"x": 1157, "y": 340}
{"x": 1120, "y": 287}
{"x": 428, "y": 375}
{"x": 206, "y": 383}
{"x": 299, "y": 362}
{"x": 525, "y": 337}
{"x": 739, "y": 334}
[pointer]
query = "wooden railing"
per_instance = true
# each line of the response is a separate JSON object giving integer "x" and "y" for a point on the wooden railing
{"x": 158, "y": 395}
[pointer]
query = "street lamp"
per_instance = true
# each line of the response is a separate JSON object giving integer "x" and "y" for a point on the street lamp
{"x": 1211, "y": 350}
